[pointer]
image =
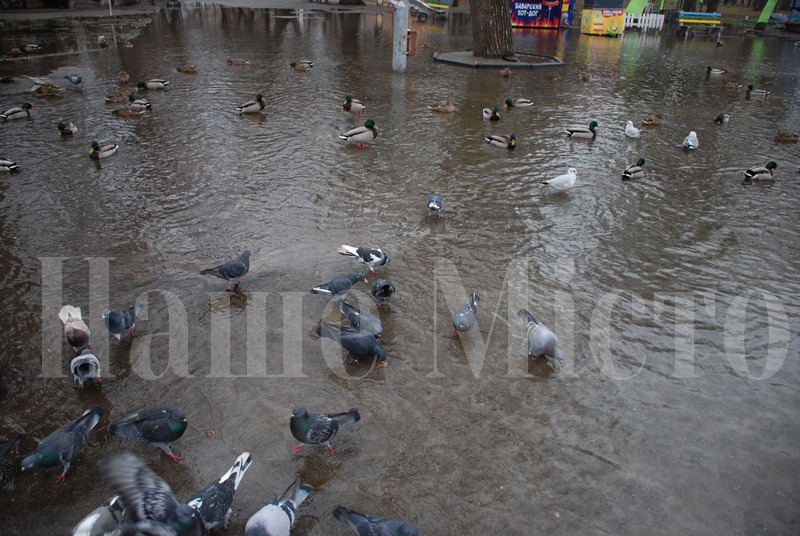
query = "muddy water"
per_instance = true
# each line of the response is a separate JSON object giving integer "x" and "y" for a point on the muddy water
{"x": 674, "y": 295}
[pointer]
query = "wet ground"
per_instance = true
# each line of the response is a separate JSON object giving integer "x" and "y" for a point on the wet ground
{"x": 674, "y": 295}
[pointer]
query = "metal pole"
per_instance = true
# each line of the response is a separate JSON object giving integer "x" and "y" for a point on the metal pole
{"x": 400, "y": 40}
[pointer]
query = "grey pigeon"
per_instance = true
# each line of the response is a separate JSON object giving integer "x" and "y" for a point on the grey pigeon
{"x": 435, "y": 204}
{"x": 339, "y": 287}
{"x": 7, "y": 446}
{"x": 214, "y": 504}
{"x": 62, "y": 445}
{"x": 382, "y": 291}
{"x": 277, "y": 517}
{"x": 159, "y": 426}
{"x": 232, "y": 270}
{"x": 85, "y": 368}
{"x": 466, "y": 315}
{"x": 74, "y": 80}
{"x": 541, "y": 341}
{"x": 361, "y": 321}
{"x": 366, "y": 525}
{"x": 319, "y": 428}
{"x": 372, "y": 257}
{"x": 358, "y": 343}
{"x": 150, "y": 506}
{"x": 75, "y": 329}
{"x": 118, "y": 322}
{"x": 103, "y": 520}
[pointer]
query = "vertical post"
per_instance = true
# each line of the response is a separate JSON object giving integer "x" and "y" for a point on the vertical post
{"x": 400, "y": 40}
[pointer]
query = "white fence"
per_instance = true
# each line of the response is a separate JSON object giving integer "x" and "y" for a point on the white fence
{"x": 645, "y": 21}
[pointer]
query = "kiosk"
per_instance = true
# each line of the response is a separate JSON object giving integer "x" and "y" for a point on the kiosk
{"x": 603, "y": 17}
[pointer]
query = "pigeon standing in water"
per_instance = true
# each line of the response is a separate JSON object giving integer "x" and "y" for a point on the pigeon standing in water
{"x": 361, "y": 321}
{"x": 231, "y": 270}
{"x": 435, "y": 204}
{"x": 382, "y": 291}
{"x": 277, "y": 517}
{"x": 74, "y": 80}
{"x": 358, "y": 343}
{"x": 466, "y": 315}
{"x": 338, "y": 288}
{"x": 319, "y": 428}
{"x": 541, "y": 341}
{"x": 62, "y": 445}
{"x": 366, "y": 525}
{"x": 85, "y": 368}
{"x": 103, "y": 520}
{"x": 159, "y": 426}
{"x": 372, "y": 257}
{"x": 75, "y": 329}
{"x": 118, "y": 322}
{"x": 150, "y": 506}
{"x": 214, "y": 504}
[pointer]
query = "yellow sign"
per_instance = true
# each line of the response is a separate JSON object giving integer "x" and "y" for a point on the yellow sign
{"x": 603, "y": 21}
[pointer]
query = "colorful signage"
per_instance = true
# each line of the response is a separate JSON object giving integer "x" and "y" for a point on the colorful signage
{"x": 535, "y": 14}
{"x": 603, "y": 21}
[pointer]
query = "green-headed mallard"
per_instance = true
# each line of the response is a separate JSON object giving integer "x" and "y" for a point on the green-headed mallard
{"x": 492, "y": 114}
{"x": 98, "y": 151}
{"x": 722, "y": 118}
{"x": 8, "y": 165}
{"x": 17, "y": 112}
{"x": 786, "y": 136}
{"x": 252, "y": 106}
{"x": 712, "y": 70}
{"x": 582, "y": 132}
{"x": 562, "y": 182}
{"x": 353, "y": 105}
{"x": 504, "y": 142}
{"x": 67, "y": 129}
{"x": 302, "y": 66}
{"x": 187, "y": 69}
{"x": 446, "y": 106}
{"x": 153, "y": 83}
{"x": 761, "y": 173}
{"x": 361, "y": 135}
{"x": 138, "y": 104}
{"x": 519, "y": 103}
{"x": 751, "y": 91}
{"x": 634, "y": 171}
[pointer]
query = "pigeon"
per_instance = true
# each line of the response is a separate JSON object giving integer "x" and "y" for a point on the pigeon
{"x": 367, "y": 525}
{"x": 722, "y": 118}
{"x": 338, "y": 287}
{"x": 466, "y": 315}
{"x": 103, "y": 520}
{"x": 7, "y": 446}
{"x": 74, "y": 80}
{"x": 277, "y": 517}
{"x": 761, "y": 172}
{"x": 634, "y": 171}
{"x": 372, "y": 257}
{"x": 153, "y": 83}
{"x": 631, "y": 131}
{"x": 435, "y": 204}
{"x": 691, "y": 141}
{"x": 214, "y": 504}
{"x": 541, "y": 341}
{"x": 62, "y": 445}
{"x": 231, "y": 270}
{"x": 562, "y": 182}
{"x": 75, "y": 329}
{"x": 359, "y": 343}
{"x": 319, "y": 428}
{"x": 159, "y": 426}
{"x": 85, "y": 368}
{"x": 150, "y": 505}
{"x": 361, "y": 321}
{"x": 118, "y": 322}
{"x": 382, "y": 291}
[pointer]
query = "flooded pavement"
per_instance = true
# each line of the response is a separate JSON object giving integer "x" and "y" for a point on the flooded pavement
{"x": 674, "y": 295}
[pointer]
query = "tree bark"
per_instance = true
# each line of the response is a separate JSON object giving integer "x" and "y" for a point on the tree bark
{"x": 491, "y": 28}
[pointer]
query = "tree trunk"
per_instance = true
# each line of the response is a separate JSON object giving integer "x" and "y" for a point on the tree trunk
{"x": 711, "y": 6}
{"x": 491, "y": 28}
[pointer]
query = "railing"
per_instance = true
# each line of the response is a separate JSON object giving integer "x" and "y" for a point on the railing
{"x": 645, "y": 21}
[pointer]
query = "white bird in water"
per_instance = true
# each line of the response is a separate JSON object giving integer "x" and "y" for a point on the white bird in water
{"x": 691, "y": 141}
{"x": 631, "y": 131}
{"x": 562, "y": 182}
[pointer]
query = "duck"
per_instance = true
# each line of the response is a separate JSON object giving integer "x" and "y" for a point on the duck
{"x": 32, "y": 47}
{"x": 731, "y": 85}
{"x": 8, "y": 165}
{"x": 518, "y": 103}
{"x": 492, "y": 114}
{"x": 504, "y": 142}
{"x": 581, "y": 132}
{"x": 722, "y": 118}
{"x": 786, "y": 136}
{"x": 691, "y": 141}
{"x": 562, "y": 182}
{"x": 302, "y": 66}
{"x": 505, "y": 72}
{"x": 353, "y": 105}
{"x": 17, "y": 112}
{"x": 712, "y": 70}
{"x": 127, "y": 111}
{"x": 187, "y": 69}
{"x": 253, "y": 106}
{"x": 116, "y": 98}
{"x": 761, "y": 173}
{"x": 67, "y": 129}
{"x": 756, "y": 92}
{"x": 361, "y": 135}
{"x": 446, "y": 106}
{"x": 238, "y": 62}
{"x": 98, "y": 151}
{"x": 138, "y": 104}
{"x": 46, "y": 90}
{"x": 634, "y": 171}
{"x": 102, "y": 41}
{"x": 153, "y": 83}
{"x": 653, "y": 120}
{"x": 123, "y": 78}
{"x": 631, "y": 131}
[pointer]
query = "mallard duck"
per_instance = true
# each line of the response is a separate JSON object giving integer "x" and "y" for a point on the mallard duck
{"x": 138, "y": 104}
{"x": 691, "y": 141}
{"x": 756, "y": 92}
{"x": 153, "y": 83}
{"x": 353, "y": 105}
{"x": 301, "y": 66}
{"x": 116, "y": 98}
{"x": 562, "y": 182}
{"x": 731, "y": 85}
{"x": 252, "y": 106}
{"x": 761, "y": 173}
{"x": 18, "y": 112}
{"x": 123, "y": 78}
{"x": 187, "y": 69}
{"x": 786, "y": 136}
{"x": 98, "y": 151}
{"x": 722, "y": 118}
{"x": 505, "y": 72}
{"x": 8, "y": 165}
{"x": 46, "y": 90}
{"x": 712, "y": 70}
{"x": 653, "y": 120}
{"x": 67, "y": 129}
{"x": 581, "y": 132}
{"x": 492, "y": 114}
{"x": 447, "y": 106}
{"x": 102, "y": 41}
{"x": 634, "y": 171}
{"x": 518, "y": 103}
{"x": 504, "y": 142}
{"x": 631, "y": 131}
{"x": 361, "y": 135}
{"x": 127, "y": 111}
{"x": 238, "y": 62}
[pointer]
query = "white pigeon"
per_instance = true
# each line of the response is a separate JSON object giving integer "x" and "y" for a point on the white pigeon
{"x": 691, "y": 141}
{"x": 277, "y": 517}
{"x": 562, "y": 182}
{"x": 631, "y": 131}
